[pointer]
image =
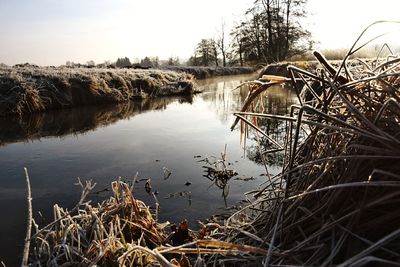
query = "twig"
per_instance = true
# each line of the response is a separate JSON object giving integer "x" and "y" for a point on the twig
{"x": 29, "y": 222}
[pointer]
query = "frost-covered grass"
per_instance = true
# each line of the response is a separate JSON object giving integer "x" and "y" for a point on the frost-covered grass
{"x": 30, "y": 89}
{"x": 207, "y": 72}
{"x": 337, "y": 54}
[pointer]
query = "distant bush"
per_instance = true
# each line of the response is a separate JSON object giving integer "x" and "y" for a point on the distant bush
{"x": 123, "y": 62}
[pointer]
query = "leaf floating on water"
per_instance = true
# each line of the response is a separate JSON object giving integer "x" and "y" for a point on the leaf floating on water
{"x": 207, "y": 159}
{"x": 147, "y": 186}
{"x": 219, "y": 172}
{"x": 188, "y": 183}
{"x": 167, "y": 173}
{"x": 214, "y": 173}
{"x": 245, "y": 178}
{"x": 179, "y": 194}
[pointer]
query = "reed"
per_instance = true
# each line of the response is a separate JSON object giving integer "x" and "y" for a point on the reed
{"x": 336, "y": 200}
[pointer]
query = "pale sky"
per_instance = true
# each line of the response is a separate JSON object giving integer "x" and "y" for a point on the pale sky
{"x": 337, "y": 23}
{"x": 50, "y": 32}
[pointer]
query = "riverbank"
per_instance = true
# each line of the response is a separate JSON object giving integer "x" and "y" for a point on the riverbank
{"x": 29, "y": 89}
{"x": 335, "y": 202}
{"x": 281, "y": 68}
{"x": 209, "y": 72}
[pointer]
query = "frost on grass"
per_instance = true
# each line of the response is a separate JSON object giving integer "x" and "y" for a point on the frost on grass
{"x": 31, "y": 89}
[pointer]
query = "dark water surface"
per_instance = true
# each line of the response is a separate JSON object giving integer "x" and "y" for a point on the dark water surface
{"x": 104, "y": 143}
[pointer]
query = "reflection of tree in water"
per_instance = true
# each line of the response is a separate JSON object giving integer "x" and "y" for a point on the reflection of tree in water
{"x": 256, "y": 153}
{"x": 76, "y": 120}
{"x": 222, "y": 97}
{"x": 276, "y": 101}
{"x": 219, "y": 172}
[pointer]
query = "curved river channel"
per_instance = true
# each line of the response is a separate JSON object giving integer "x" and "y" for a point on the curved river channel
{"x": 108, "y": 142}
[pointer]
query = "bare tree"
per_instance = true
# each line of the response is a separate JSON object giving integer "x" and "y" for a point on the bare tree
{"x": 155, "y": 61}
{"x": 214, "y": 49}
{"x": 172, "y": 61}
{"x": 221, "y": 42}
{"x": 238, "y": 43}
{"x": 272, "y": 31}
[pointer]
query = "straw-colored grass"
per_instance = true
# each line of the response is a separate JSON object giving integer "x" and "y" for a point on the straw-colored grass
{"x": 102, "y": 234}
{"x": 29, "y": 89}
{"x": 336, "y": 200}
{"x": 337, "y": 54}
{"x": 120, "y": 231}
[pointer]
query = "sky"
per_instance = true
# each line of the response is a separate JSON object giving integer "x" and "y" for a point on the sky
{"x": 51, "y": 32}
{"x": 338, "y": 23}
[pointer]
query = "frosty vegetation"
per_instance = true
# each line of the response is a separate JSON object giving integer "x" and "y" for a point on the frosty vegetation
{"x": 29, "y": 89}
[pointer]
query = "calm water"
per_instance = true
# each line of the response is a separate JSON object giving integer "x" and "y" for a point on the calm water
{"x": 104, "y": 143}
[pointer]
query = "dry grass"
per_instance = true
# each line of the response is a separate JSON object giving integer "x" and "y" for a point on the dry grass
{"x": 30, "y": 89}
{"x": 336, "y": 200}
{"x": 103, "y": 234}
{"x": 121, "y": 231}
{"x": 337, "y": 54}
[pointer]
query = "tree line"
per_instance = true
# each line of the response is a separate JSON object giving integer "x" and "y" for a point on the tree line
{"x": 125, "y": 62}
{"x": 270, "y": 32}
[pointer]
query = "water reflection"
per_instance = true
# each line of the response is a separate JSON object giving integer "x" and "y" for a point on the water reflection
{"x": 103, "y": 143}
{"x": 276, "y": 100}
{"x": 223, "y": 96}
{"x": 60, "y": 123}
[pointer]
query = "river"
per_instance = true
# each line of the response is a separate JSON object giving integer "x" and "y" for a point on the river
{"x": 108, "y": 142}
